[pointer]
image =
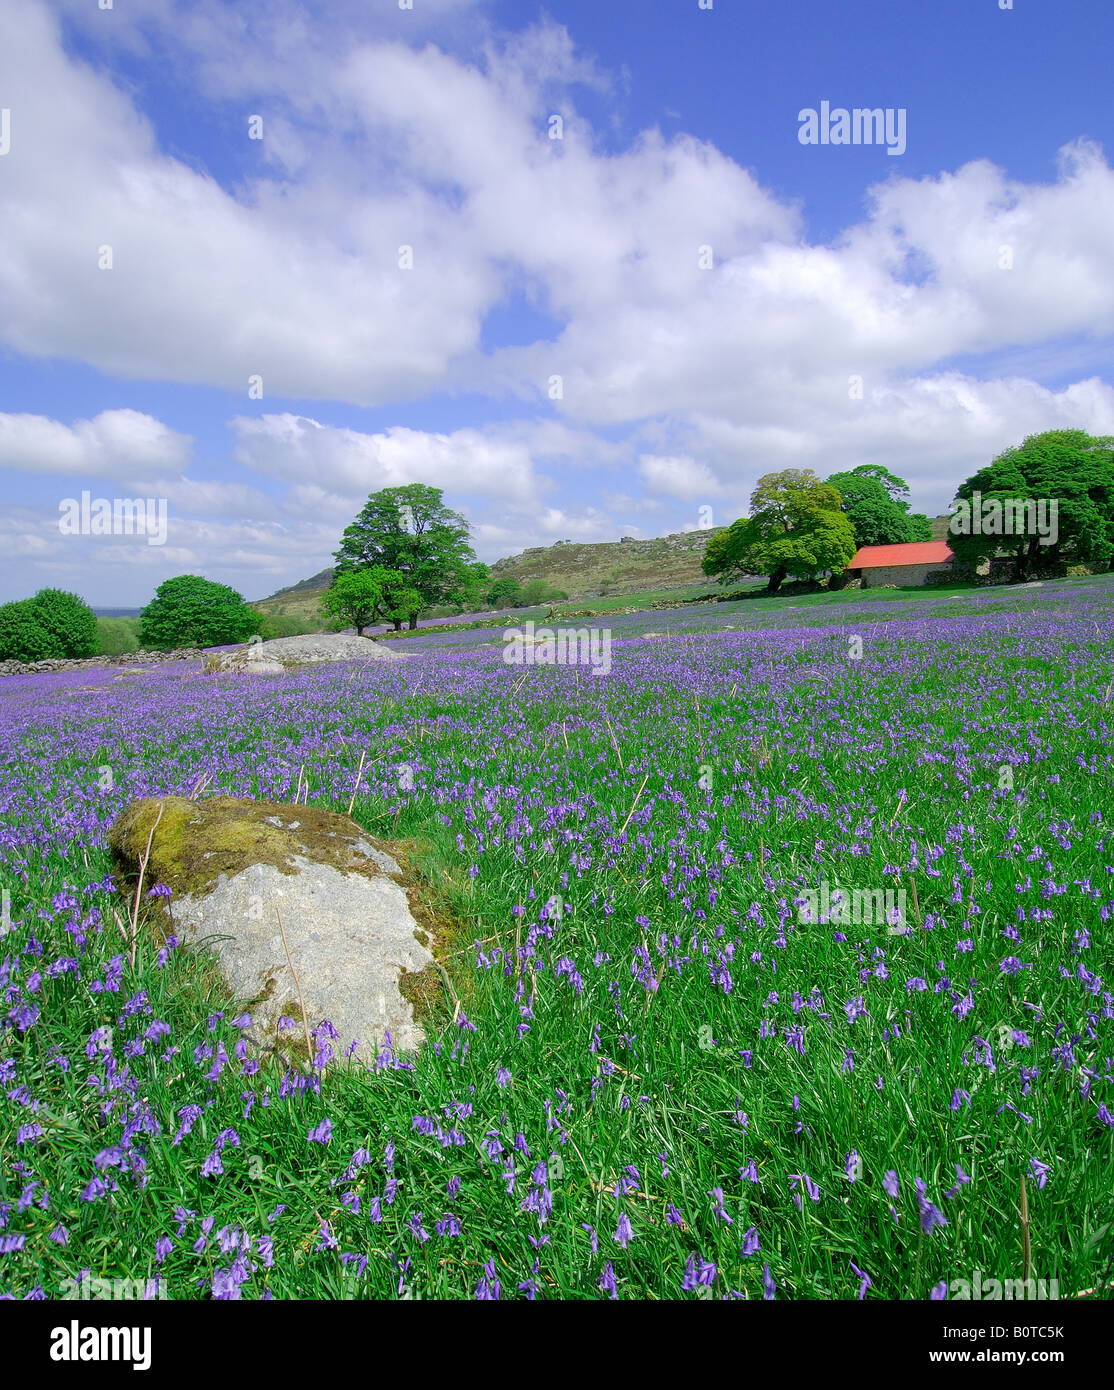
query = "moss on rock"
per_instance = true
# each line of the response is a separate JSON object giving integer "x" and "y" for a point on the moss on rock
{"x": 195, "y": 842}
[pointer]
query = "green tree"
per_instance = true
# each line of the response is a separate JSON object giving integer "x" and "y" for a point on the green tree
{"x": 1067, "y": 467}
{"x": 506, "y": 592}
{"x": 193, "y": 612}
{"x": 362, "y": 597}
{"x": 873, "y": 500}
{"x": 69, "y": 620}
{"x": 410, "y": 529}
{"x": 796, "y": 527}
{"x": 22, "y": 634}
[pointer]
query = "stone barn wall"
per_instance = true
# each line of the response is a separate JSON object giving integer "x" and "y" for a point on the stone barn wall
{"x": 904, "y": 576}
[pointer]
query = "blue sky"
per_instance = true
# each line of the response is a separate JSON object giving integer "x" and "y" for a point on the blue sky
{"x": 600, "y": 335}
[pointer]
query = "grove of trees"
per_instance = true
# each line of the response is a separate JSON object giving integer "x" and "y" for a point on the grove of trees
{"x": 359, "y": 598}
{"x": 507, "y": 592}
{"x": 1060, "y": 481}
{"x": 875, "y": 505}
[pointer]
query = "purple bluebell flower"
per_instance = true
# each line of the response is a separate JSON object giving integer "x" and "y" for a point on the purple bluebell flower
{"x": 488, "y": 1290}
{"x": 931, "y": 1216}
{"x": 698, "y": 1272}
{"x": 624, "y": 1234}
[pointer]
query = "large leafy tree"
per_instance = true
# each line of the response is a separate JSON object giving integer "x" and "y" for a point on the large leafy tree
{"x": 409, "y": 529}
{"x": 796, "y": 527}
{"x": 874, "y": 502}
{"x": 363, "y": 597}
{"x": 1068, "y": 467}
{"x": 193, "y": 612}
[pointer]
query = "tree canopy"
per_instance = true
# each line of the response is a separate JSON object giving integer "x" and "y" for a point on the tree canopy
{"x": 796, "y": 526}
{"x": 410, "y": 530}
{"x": 53, "y": 624}
{"x": 190, "y": 611}
{"x": 1068, "y": 468}
{"x": 874, "y": 503}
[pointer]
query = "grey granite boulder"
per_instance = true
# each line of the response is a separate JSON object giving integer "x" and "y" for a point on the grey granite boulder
{"x": 245, "y": 872}
{"x": 296, "y": 651}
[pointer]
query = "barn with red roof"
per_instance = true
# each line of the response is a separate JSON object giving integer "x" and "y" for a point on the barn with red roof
{"x": 907, "y": 565}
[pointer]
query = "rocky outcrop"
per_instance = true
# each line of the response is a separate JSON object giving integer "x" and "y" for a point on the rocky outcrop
{"x": 272, "y": 658}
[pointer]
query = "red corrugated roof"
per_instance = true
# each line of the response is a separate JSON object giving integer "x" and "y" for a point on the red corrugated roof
{"x": 914, "y": 553}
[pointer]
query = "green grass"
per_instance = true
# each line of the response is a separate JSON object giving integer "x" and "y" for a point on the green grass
{"x": 791, "y": 783}
{"x": 117, "y": 636}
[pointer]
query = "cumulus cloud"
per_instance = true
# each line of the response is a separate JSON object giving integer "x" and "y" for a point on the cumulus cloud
{"x": 681, "y": 477}
{"x": 114, "y": 444}
{"x": 678, "y": 282}
{"x": 698, "y": 337}
{"x": 351, "y": 464}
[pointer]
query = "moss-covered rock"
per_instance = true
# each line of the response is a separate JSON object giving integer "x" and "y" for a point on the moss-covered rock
{"x": 305, "y": 914}
{"x": 194, "y": 842}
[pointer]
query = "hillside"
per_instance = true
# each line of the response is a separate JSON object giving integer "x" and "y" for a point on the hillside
{"x": 297, "y": 600}
{"x": 580, "y": 569}
{"x": 614, "y": 567}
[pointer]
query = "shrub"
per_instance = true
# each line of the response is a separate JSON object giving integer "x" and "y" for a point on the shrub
{"x": 193, "y": 612}
{"x": 536, "y": 591}
{"x": 69, "y": 620}
{"x": 22, "y": 634}
{"x": 504, "y": 593}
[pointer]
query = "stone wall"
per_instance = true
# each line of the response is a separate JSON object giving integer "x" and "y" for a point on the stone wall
{"x": 30, "y": 668}
{"x": 904, "y": 576}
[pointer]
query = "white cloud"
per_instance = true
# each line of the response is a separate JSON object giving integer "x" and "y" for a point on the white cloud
{"x": 294, "y": 274}
{"x": 680, "y": 476}
{"x": 114, "y": 444}
{"x": 351, "y": 464}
